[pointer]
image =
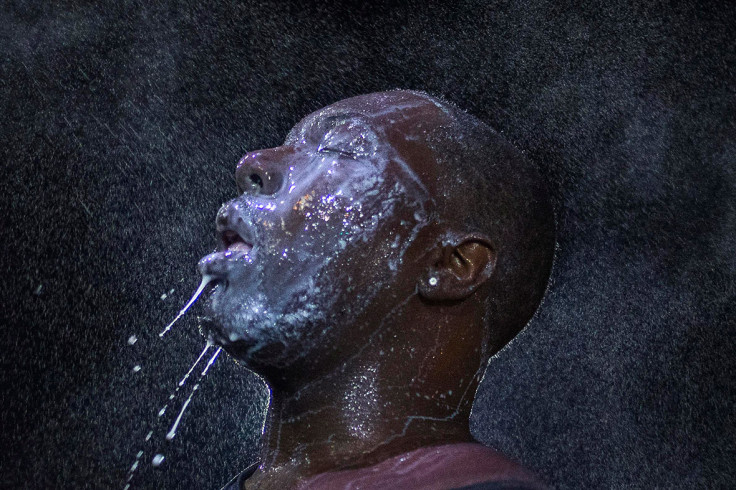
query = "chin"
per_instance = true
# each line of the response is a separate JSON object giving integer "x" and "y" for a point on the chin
{"x": 260, "y": 332}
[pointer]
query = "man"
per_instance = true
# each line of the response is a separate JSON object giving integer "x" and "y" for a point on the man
{"x": 369, "y": 269}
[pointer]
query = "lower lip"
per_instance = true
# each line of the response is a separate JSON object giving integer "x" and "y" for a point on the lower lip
{"x": 240, "y": 247}
{"x": 222, "y": 264}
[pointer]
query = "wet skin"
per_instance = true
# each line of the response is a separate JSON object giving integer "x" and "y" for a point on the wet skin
{"x": 339, "y": 282}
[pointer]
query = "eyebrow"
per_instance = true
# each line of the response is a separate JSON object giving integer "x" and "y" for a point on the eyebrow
{"x": 329, "y": 121}
{"x": 325, "y": 122}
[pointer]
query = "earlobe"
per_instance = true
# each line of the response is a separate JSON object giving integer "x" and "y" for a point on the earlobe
{"x": 460, "y": 268}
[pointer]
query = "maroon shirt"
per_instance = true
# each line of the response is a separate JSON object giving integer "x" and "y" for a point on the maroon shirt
{"x": 450, "y": 466}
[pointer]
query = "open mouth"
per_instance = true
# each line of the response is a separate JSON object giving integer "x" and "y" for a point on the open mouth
{"x": 233, "y": 253}
{"x": 232, "y": 242}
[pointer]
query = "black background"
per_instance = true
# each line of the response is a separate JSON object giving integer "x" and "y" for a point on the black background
{"x": 121, "y": 128}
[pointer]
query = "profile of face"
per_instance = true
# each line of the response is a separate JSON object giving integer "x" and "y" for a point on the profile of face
{"x": 320, "y": 231}
{"x": 336, "y": 231}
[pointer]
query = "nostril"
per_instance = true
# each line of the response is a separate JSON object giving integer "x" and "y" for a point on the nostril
{"x": 264, "y": 183}
{"x": 256, "y": 181}
{"x": 257, "y": 178}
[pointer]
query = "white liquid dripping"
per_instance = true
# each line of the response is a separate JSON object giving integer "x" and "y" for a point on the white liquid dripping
{"x": 212, "y": 361}
{"x": 133, "y": 468}
{"x": 158, "y": 459}
{"x": 172, "y": 431}
{"x": 184, "y": 379}
{"x": 205, "y": 281}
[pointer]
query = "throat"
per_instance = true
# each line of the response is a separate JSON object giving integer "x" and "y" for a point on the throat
{"x": 363, "y": 424}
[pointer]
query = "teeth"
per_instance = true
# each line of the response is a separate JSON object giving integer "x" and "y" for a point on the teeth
{"x": 240, "y": 247}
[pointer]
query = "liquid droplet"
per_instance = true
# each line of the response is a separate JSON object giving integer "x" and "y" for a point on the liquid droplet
{"x": 205, "y": 281}
{"x": 172, "y": 432}
{"x": 184, "y": 379}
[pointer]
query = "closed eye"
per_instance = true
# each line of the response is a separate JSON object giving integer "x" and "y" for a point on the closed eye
{"x": 339, "y": 151}
{"x": 350, "y": 138}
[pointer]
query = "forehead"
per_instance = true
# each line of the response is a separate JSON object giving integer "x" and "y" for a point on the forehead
{"x": 402, "y": 120}
{"x": 388, "y": 113}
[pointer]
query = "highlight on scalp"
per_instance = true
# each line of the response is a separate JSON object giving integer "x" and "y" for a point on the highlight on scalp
{"x": 509, "y": 203}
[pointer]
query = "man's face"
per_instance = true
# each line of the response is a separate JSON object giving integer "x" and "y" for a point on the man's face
{"x": 321, "y": 229}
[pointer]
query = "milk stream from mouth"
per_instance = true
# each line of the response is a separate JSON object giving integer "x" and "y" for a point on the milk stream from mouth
{"x": 202, "y": 285}
{"x": 172, "y": 431}
{"x": 159, "y": 458}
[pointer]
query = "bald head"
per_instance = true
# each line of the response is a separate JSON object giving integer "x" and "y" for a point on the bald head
{"x": 488, "y": 187}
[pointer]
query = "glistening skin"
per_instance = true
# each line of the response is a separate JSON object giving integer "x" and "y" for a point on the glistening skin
{"x": 351, "y": 280}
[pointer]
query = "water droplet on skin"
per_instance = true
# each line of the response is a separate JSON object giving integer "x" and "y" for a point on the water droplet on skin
{"x": 157, "y": 460}
{"x": 132, "y": 340}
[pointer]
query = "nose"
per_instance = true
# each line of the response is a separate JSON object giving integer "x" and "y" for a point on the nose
{"x": 261, "y": 172}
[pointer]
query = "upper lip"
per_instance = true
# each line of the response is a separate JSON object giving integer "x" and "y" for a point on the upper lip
{"x": 234, "y": 233}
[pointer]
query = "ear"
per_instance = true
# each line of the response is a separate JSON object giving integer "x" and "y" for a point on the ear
{"x": 458, "y": 268}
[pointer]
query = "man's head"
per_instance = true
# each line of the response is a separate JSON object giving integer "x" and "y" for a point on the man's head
{"x": 380, "y": 211}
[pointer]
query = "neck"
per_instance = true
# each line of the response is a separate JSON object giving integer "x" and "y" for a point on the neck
{"x": 371, "y": 411}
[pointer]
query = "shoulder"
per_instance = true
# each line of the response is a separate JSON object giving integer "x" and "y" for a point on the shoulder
{"x": 466, "y": 466}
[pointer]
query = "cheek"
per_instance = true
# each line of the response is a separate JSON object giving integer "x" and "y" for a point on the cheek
{"x": 322, "y": 227}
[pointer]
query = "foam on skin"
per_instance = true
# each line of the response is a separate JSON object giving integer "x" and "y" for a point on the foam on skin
{"x": 334, "y": 199}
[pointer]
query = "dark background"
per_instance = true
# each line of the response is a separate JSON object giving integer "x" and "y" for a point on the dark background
{"x": 121, "y": 128}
